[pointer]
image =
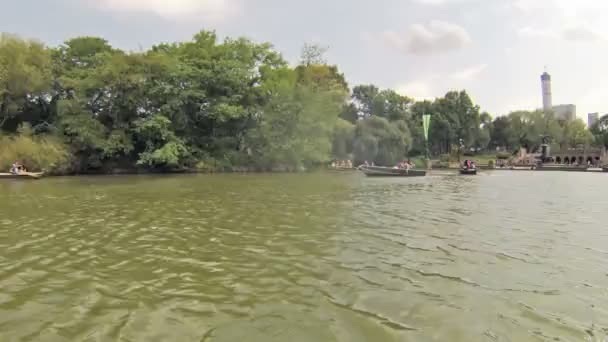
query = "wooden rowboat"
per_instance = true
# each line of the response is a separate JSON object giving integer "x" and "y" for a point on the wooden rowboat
{"x": 470, "y": 172}
{"x": 23, "y": 175}
{"x": 342, "y": 169}
{"x": 378, "y": 171}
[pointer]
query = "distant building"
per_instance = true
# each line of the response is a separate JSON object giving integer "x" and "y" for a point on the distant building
{"x": 565, "y": 112}
{"x": 592, "y": 119}
{"x": 545, "y": 79}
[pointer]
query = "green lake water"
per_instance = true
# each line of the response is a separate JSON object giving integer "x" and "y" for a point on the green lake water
{"x": 504, "y": 256}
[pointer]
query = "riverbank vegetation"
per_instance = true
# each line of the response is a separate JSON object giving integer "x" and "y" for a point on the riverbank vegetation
{"x": 232, "y": 104}
{"x": 38, "y": 152}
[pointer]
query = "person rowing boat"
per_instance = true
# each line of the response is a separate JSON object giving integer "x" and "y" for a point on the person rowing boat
{"x": 468, "y": 168}
{"x": 17, "y": 168}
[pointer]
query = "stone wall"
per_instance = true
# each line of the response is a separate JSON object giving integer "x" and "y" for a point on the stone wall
{"x": 580, "y": 156}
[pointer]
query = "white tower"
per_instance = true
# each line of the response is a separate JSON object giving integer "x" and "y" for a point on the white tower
{"x": 547, "y": 96}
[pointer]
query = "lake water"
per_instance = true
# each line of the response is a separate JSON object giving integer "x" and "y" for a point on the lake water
{"x": 504, "y": 256}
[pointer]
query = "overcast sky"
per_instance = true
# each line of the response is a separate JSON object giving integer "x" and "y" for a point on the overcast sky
{"x": 495, "y": 49}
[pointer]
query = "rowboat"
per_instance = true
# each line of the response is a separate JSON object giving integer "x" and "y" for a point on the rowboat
{"x": 342, "y": 169}
{"x": 470, "y": 172}
{"x": 522, "y": 168}
{"x": 23, "y": 175}
{"x": 379, "y": 171}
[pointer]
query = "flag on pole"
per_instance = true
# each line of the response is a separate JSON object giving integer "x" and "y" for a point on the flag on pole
{"x": 426, "y": 121}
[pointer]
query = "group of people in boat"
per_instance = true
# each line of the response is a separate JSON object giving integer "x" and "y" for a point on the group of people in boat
{"x": 18, "y": 168}
{"x": 469, "y": 165}
{"x": 342, "y": 164}
{"x": 405, "y": 165}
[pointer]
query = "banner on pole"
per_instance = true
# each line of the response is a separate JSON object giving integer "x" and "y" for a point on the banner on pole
{"x": 426, "y": 121}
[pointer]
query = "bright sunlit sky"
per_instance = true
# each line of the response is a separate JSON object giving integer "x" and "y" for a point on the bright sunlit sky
{"x": 495, "y": 49}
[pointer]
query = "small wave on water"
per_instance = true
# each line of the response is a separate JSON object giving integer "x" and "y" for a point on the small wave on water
{"x": 320, "y": 257}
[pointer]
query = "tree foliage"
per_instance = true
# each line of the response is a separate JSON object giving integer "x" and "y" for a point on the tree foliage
{"x": 600, "y": 131}
{"x": 528, "y": 129}
{"x": 298, "y": 123}
{"x": 233, "y": 103}
{"x": 25, "y": 81}
{"x": 313, "y": 54}
{"x": 382, "y": 141}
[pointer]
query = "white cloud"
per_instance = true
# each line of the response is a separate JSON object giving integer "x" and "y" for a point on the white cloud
{"x": 508, "y": 105}
{"x": 419, "y": 90}
{"x": 528, "y": 6}
{"x": 569, "y": 7}
{"x": 581, "y": 34}
{"x": 578, "y": 33}
{"x": 436, "y": 37}
{"x": 469, "y": 73}
{"x": 173, "y": 9}
{"x": 566, "y": 13}
{"x": 536, "y": 33}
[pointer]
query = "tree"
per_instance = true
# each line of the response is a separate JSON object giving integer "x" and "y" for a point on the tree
{"x": 501, "y": 134}
{"x": 100, "y": 94}
{"x": 349, "y": 113}
{"x": 531, "y": 129}
{"x": 392, "y": 106}
{"x": 370, "y": 100}
{"x": 381, "y": 141}
{"x": 550, "y": 128}
{"x": 313, "y": 54}
{"x": 25, "y": 82}
{"x": 483, "y": 134}
{"x": 364, "y": 99}
{"x": 576, "y": 134}
{"x": 343, "y": 139}
{"x": 461, "y": 114}
{"x": 524, "y": 132}
{"x": 600, "y": 132}
{"x": 322, "y": 77}
{"x": 162, "y": 147}
{"x": 295, "y": 127}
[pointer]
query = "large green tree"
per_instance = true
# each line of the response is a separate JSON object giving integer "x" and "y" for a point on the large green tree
{"x": 600, "y": 131}
{"x": 575, "y": 133}
{"x": 295, "y": 127}
{"x": 25, "y": 82}
{"x": 380, "y": 141}
{"x": 501, "y": 134}
{"x": 457, "y": 109}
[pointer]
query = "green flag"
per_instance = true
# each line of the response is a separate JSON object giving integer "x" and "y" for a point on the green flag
{"x": 426, "y": 120}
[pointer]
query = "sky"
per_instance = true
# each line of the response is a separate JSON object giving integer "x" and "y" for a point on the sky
{"x": 494, "y": 49}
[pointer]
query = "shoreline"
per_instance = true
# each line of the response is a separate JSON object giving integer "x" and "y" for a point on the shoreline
{"x": 127, "y": 172}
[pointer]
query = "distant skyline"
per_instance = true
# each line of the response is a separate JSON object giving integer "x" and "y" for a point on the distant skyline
{"x": 495, "y": 49}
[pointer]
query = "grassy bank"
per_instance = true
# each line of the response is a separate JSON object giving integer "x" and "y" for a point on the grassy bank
{"x": 36, "y": 153}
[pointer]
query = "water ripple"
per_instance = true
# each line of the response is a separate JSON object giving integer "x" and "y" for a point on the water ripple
{"x": 321, "y": 257}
